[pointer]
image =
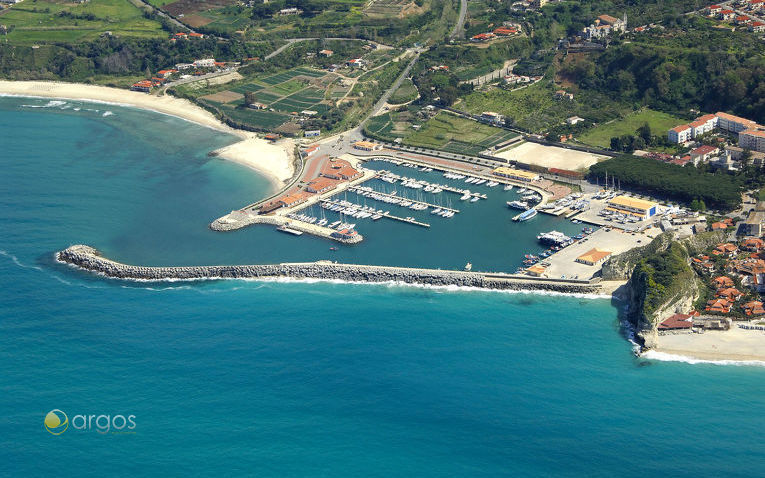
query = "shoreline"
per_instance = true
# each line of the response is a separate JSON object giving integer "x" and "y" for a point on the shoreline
{"x": 274, "y": 161}
{"x": 732, "y": 346}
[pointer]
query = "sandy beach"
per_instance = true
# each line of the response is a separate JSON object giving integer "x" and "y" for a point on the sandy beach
{"x": 272, "y": 160}
{"x": 735, "y": 344}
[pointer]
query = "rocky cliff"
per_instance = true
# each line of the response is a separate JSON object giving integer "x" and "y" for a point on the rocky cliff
{"x": 651, "y": 301}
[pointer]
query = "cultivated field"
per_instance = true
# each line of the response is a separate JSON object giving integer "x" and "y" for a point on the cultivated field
{"x": 452, "y": 133}
{"x": 550, "y": 156}
{"x": 50, "y": 21}
{"x": 285, "y": 93}
{"x": 659, "y": 122}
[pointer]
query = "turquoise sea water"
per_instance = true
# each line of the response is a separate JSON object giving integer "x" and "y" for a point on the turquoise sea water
{"x": 247, "y": 378}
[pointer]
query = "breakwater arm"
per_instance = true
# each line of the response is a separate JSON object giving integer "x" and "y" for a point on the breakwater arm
{"x": 88, "y": 258}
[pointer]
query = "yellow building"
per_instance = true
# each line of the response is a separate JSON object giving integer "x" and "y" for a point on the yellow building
{"x": 633, "y": 206}
{"x": 366, "y": 145}
{"x": 516, "y": 174}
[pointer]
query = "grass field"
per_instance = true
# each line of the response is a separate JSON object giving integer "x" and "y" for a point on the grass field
{"x": 458, "y": 135}
{"x": 406, "y": 92}
{"x": 535, "y": 109}
{"x": 42, "y": 21}
{"x": 659, "y": 122}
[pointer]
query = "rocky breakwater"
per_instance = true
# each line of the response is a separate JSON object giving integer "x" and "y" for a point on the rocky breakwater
{"x": 88, "y": 258}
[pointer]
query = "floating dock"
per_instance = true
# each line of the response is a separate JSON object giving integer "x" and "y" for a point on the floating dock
{"x": 359, "y": 190}
{"x": 387, "y": 215}
{"x": 444, "y": 187}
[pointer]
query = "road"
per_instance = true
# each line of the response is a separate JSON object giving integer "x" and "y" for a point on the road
{"x": 459, "y": 27}
{"x": 498, "y": 73}
{"x": 292, "y": 41}
{"x": 384, "y": 98}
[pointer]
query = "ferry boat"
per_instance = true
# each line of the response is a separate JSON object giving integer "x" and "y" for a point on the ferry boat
{"x": 518, "y": 205}
{"x": 526, "y": 215}
{"x": 555, "y": 238}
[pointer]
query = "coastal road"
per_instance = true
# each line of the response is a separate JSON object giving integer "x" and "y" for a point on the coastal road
{"x": 459, "y": 29}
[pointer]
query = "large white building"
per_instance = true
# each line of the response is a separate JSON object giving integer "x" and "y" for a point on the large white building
{"x": 752, "y": 139}
{"x": 734, "y": 124}
{"x": 680, "y": 134}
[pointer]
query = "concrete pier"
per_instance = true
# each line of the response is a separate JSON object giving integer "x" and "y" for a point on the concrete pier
{"x": 239, "y": 219}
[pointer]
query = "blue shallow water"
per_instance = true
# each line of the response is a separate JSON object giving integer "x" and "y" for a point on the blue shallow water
{"x": 303, "y": 379}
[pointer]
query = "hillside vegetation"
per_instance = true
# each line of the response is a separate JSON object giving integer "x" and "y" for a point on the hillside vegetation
{"x": 670, "y": 181}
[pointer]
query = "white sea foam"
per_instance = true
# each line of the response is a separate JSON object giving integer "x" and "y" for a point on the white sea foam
{"x": 49, "y": 104}
{"x": 107, "y": 113}
{"x": 111, "y": 103}
{"x": 665, "y": 357}
{"x": 17, "y": 261}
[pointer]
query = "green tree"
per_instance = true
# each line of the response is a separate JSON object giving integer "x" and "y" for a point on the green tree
{"x": 645, "y": 133}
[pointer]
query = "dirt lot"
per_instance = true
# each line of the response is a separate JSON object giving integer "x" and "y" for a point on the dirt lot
{"x": 195, "y": 21}
{"x": 187, "y": 7}
{"x": 550, "y": 156}
{"x": 223, "y": 96}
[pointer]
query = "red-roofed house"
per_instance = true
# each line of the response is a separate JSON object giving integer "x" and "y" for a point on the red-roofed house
{"x": 726, "y": 249}
{"x": 753, "y": 244}
{"x": 722, "y": 282}
{"x": 726, "y": 15}
{"x": 677, "y": 322}
{"x": 166, "y": 73}
{"x": 753, "y": 308}
{"x": 320, "y": 185}
{"x": 713, "y": 9}
{"x": 482, "y": 37}
{"x": 730, "y": 293}
{"x": 703, "y": 153}
{"x": 341, "y": 169}
{"x": 505, "y": 31}
{"x": 294, "y": 199}
{"x": 143, "y": 85}
{"x": 720, "y": 306}
{"x": 742, "y": 20}
{"x": 757, "y": 27}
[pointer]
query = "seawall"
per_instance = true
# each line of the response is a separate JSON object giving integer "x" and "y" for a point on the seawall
{"x": 86, "y": 257}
